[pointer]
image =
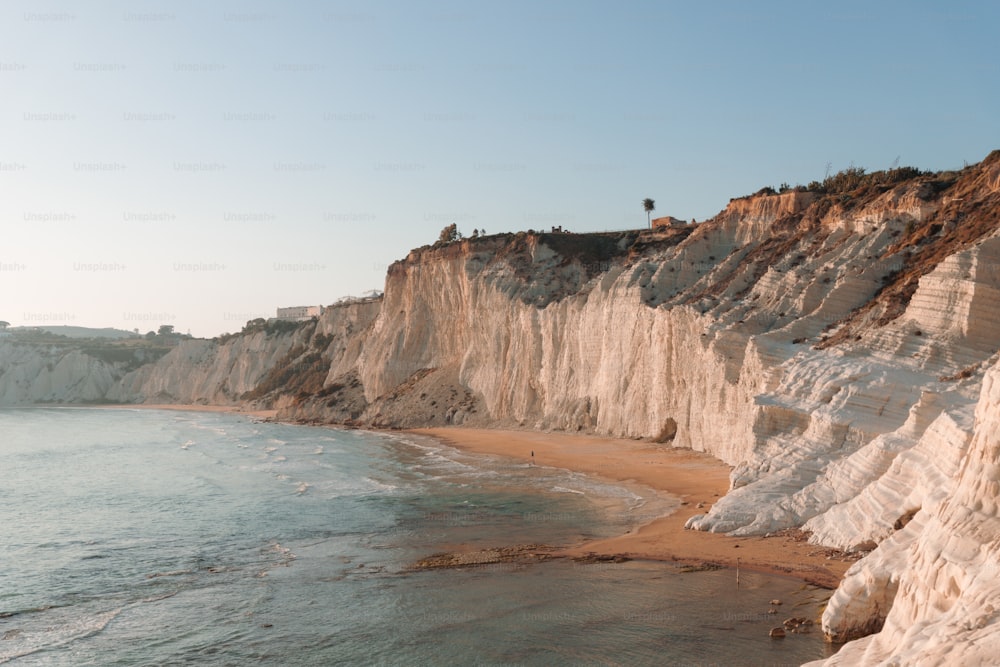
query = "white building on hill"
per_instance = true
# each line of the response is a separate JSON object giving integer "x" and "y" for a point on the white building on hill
{"x": 299, "y": 313}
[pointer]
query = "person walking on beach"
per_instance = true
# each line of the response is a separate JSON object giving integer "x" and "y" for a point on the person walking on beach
{"x": 532, "y": 457}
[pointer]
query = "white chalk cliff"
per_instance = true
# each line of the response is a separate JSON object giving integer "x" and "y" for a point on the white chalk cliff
{"x": 838, "y": 349}
{"x": 31, "y": 374}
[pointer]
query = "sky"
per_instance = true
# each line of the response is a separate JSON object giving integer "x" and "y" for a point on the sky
{"x": 201, "y": 163}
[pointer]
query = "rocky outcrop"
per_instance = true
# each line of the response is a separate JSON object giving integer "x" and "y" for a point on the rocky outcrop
{"x": 753, "y": 216}
{"x": 931, "y": 587}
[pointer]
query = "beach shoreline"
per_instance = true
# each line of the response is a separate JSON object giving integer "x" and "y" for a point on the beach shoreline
{"x": 696, "y": 479}
{"x": 270, "y": 415}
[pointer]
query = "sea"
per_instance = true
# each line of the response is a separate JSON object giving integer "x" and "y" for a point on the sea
{"x": 154, "y": 537}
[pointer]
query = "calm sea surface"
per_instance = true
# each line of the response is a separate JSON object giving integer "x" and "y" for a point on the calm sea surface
{"x": 133, "y": 537}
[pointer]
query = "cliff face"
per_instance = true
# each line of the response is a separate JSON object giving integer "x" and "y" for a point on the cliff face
{"x": 46, "y": 374}
{"x": 269, "y": 367}
{"x": 932, "y": 585}
{"x": 831, "y": 347}
{"x": 204, "y": 371}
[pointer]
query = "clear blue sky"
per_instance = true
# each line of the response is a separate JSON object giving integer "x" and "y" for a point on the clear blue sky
{"x": 200, "y": 163}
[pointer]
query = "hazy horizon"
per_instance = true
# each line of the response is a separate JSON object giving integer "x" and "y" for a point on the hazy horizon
{"x": 173, "y": 163}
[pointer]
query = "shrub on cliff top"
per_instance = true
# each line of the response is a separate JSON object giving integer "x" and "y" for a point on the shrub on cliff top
{"x": 844, "y": 182}
{"x": 269, "y": 327}
{"x": 852, "y": 178}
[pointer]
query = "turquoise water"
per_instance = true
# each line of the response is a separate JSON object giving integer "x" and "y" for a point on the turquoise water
{"x": 176, "y": 538}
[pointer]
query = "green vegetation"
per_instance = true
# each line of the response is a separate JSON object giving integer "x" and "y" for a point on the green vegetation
{"x": 648, "y": 205}
{"x": 449, "y": 234}
{"x": 853, "y": 178}
{"x": 272, "y": 327}
{"x": 130, "y": 356}
{"x": 166, "y": 335}
{"x": 269, "y": 327}
{"x": 129, "y": 353}
{"x": 853, "y": 181}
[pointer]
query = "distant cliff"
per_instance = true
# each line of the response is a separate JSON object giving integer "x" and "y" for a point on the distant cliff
{"x": 32, "y": 374}
{"x": 43, "y": 367}
{"x": 838, "y": 347}
{"x": 269, "y": 366}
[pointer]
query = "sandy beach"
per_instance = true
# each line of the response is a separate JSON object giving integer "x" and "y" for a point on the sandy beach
{"x": 697, "y": 479}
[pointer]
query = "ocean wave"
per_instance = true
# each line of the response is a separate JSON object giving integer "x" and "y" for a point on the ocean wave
{"x": 453, "y": 460}
{"x": 380, "y": 487}
{"x": 172, "y": 573}
{"x": 284, "y": 557}
{"x": 54, "y": 632}
{"x": 32, "y": 610}
{"x": 196, "y": 423}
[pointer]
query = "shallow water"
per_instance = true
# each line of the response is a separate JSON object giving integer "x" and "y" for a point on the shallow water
{"x": 167, "y": 538}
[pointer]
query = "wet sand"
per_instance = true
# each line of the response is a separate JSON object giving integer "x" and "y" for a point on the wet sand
{"x": 693, "y": 477}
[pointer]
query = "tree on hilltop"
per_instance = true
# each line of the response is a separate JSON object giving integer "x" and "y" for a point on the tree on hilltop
{"x": 449, "y": 234}
{"x": 649, "y": 206}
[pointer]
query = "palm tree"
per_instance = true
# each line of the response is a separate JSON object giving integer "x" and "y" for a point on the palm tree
{"x": 649, "y": 205}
